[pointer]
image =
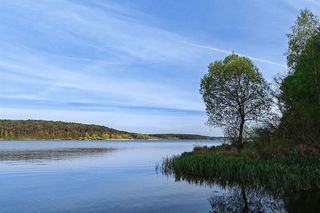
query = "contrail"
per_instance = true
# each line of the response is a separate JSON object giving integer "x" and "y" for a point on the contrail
{"x": 229, "y": 52}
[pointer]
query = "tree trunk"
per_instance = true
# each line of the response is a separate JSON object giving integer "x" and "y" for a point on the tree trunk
{"x": 240, "y": 137}
{"x": 245, "y": 201}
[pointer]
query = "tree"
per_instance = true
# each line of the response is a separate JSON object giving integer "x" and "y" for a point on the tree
{"x": 299, "y": 96}
{"x": 306, "y": 26}
{"x": 234, "y": 93}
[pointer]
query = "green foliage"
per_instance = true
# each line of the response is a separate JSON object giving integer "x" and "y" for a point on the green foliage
{"x": 234, "y": 93}
{"x": 300, "y": 89}
{"x": 288, "y": 173}
{"x": 53, "y": 130}
{"x": 306, "y": 26}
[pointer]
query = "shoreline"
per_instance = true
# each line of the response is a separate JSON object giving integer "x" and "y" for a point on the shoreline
{"x": 289, "y": 172}
{"x": 107, "y": 139}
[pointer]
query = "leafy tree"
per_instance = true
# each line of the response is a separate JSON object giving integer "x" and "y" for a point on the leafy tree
{"x": 300, "y": 95}
{"x": 300, "y": 89}
{"x": 306, "y": 26}
{"x": 234, "y": 93}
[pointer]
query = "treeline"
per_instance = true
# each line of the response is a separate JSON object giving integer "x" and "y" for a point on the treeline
{"x": 182, "y": 137}
{"x": 51, "y": 130}
{"x": 298, "y": 94}
{"x": 58, "y": 130}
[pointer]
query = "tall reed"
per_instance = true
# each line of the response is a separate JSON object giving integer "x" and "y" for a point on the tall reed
{"x": 291, "y": 172}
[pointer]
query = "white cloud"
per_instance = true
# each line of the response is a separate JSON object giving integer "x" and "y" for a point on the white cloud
{"x": 241, "y": 54}
{"x": 58, "y": 51}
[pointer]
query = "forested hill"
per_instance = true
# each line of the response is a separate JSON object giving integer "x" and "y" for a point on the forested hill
{"x": 49, "y": 130}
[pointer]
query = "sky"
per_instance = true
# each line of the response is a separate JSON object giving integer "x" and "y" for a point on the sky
{"x": 133, "y": 65}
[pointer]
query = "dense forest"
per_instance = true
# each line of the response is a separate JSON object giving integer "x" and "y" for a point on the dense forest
{"x": 58, "y": 130}
{"x": 46, "y": 130}
{"x": 298, "y": 95}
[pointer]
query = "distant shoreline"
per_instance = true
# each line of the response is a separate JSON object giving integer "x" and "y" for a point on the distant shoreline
{"x": 160, "y": 139}
{"x": 26, "y": 130}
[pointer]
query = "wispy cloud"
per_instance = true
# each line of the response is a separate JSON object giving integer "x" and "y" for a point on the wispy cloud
{"x": 241, "y": 54}
{"x": 107, "y": 47}
{"x": 105, "y": 62}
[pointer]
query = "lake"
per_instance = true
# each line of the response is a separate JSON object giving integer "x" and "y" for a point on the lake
{"x": 113, "y": 176}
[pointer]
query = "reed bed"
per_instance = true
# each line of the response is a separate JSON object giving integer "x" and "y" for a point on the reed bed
{"x": 286, "y": 173}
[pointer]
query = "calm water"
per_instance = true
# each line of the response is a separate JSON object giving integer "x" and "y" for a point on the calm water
{"x": 108, "y": 176}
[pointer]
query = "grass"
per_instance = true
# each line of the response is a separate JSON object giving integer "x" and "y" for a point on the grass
{"x": 223, "y": 164}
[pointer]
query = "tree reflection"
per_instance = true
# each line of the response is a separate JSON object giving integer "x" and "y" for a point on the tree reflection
{"x": 235, "y": 196}
{"x": 305, "y": 201}
{"x": 51, "y": 154}
{"x": 241, "y": 199}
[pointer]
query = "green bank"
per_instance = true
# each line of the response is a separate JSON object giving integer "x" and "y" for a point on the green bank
{"x": 58, "y": 130}
{"x": 225, "y": 166}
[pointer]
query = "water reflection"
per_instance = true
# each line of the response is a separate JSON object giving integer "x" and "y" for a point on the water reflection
{"x": 241, "y": 199}
{"x": 236, "y": 197}
{"x": 91, "y": 177}
{"x": 305, "y": 201}
{"x": 51, "y": 154}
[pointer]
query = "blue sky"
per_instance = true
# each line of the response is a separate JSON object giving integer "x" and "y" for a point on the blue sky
{"x": 134, "y": 65}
